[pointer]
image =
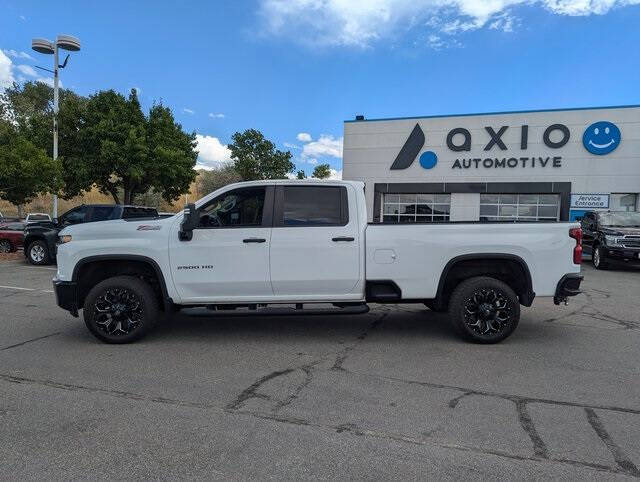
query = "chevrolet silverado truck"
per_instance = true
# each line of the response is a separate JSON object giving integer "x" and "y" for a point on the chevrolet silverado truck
{"x": 251, "y": 246}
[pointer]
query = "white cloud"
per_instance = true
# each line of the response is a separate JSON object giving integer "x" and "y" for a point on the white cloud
{"x": 17, "y": 55}
{"x": 188, "y": 111}
{"x": 312, "y": 161}
{"x": 27, "y": 70}
{"x": 211, "y": 152}
{"x": 335, "y": 174}
{"x": 22, "y": 17}
{"x": 361, "y": 23}
{"x": 304, "y": 137}
{"x": 48, "y": 81}
{"x": 216, "y": 116}
{"x": 325, "y": 146}
{"x": 289, "y": 145}
{"x": 6, "y": 73}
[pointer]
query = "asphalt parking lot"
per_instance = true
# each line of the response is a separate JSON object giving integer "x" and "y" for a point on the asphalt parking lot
{"x": 392, "y": 394}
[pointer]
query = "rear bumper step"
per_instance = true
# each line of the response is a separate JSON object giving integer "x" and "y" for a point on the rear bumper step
{"x": 569, "y": 285}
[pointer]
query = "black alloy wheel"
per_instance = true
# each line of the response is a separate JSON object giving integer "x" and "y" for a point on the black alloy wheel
{"x": 484, "y": 310}
{"x": 121, "y": 309}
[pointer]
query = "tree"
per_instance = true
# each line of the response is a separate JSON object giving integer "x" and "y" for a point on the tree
{"x": 25, "y": 170}
{"x": 131, "y": 153}
{"x": 255, "y": 157}
{"x": 29, "y": 108}
{"x": 301, "y": 175}
{"x": 322, "y": 171}
{"x": 209, "y": 181}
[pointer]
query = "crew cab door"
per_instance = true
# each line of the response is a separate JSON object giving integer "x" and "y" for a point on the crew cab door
{"x": 227, "y": 259}
{"x": 315, "y": 243}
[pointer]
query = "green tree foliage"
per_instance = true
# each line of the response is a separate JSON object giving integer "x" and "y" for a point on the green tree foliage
{"x": 209, "y": 181}
{"x": 322, "y": 171}
{"x": 29, "y": 108}
{"x": 255, "y": 157}
{"x": 132, "y": 153}
{"x": 25, "y": 169}
{"x": 301, "y": 175}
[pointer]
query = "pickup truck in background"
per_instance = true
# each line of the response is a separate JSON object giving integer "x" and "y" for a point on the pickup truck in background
{"x": 41, "y": 237}
{"x": 612, "y": 236}
{"x": 254, "y": 244}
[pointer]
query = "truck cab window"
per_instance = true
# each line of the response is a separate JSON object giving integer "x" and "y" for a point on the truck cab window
{"x": 75, "y": 216}
{"x": 240, "y": 207}
{"x": 315, "y": 206}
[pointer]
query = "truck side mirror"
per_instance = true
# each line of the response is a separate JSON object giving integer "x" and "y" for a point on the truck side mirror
{"x": 189, "y": 222}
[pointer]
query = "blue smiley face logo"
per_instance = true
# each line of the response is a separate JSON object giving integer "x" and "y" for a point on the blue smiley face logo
{"x": 601, "y": 138}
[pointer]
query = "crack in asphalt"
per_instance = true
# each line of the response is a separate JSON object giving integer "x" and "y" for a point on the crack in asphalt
{"x": 30, "y": 341}
{"x": 621, "y": 458}
{"x": 526, "y": 422}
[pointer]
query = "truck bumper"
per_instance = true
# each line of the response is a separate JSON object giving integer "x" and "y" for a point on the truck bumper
{"x": 569, "y": 285}
{"x": 66, "y": 295}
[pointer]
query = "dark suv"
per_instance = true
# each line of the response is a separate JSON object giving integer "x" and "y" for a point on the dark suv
{"x": 612, "y": 236}
{"x": 40, "y": 238}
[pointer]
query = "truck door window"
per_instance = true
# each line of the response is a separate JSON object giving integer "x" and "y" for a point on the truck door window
{"x": 75, "y": 216}
{"x": 240, "y": 207}
{"x": 101, "y": 213}
{"x": 314, "y": 206}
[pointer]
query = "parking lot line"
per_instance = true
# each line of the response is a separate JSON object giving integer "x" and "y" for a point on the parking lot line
{"x": 25, "y": 289}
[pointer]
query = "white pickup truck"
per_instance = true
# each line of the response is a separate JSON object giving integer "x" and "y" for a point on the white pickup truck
{"x": 254, "y": 244}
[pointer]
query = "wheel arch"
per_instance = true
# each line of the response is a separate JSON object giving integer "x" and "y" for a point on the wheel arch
{"x": 94, "y": 269}
{"x": 510, "y": 268}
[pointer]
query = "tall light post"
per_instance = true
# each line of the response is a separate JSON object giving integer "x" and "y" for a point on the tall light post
{"x": 44, "y": 46}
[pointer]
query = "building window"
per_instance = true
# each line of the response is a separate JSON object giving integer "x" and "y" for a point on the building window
{"x": 623, "y": 202}
{"x": 416, "y": 208}
{"x": 524, "y": 207}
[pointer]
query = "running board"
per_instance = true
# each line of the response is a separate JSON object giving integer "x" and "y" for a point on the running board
{"x": 213, "y": 311}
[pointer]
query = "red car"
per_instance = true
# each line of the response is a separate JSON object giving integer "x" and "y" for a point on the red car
{"x": 11, "y": 236}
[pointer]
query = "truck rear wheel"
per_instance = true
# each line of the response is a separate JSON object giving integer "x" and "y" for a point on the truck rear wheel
{"x": 122, "y": 309}
{"x": 484, "y": 310}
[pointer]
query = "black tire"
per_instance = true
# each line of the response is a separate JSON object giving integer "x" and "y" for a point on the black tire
{"x": 598, "y": 258}
{"x": 5, "y": 246}
{"x": 484, "y": 310}
{"x": 38, "y": 253}
{"x": 122, "y": 309}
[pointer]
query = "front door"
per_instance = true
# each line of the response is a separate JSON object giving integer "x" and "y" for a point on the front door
{"x": 227, "y": 260}
{"x": 315, "y": 244}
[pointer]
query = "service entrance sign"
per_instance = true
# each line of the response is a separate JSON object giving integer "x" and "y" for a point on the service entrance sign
{"x": 590, "y": 201}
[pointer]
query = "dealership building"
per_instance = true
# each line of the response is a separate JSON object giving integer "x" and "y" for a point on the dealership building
{"x": 529, "y": 165}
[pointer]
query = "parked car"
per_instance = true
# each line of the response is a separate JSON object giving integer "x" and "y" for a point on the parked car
{"x": 11, "y": 236}
{"x": 33, "y": 217}
{"x": 41, "y": 238}
{"x": 612, "y": 236}
{"x": 297, "y": 242}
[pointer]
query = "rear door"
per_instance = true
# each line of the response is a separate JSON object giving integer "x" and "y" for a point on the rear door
{"x": 315, "y": 243}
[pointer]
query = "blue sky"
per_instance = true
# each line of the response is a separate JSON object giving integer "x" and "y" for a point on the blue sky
{"x": 296, "y": 69}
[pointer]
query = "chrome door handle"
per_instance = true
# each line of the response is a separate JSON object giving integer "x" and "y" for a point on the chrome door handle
{"x": 343, "y": 238}
{"x": 254, "y": 240}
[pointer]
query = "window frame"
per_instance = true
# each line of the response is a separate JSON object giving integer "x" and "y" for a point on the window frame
{"x": 517, "y": 204}
{"x": 441, "y": 217}
{"x": 267, "y": 209}
{"x": 72, "y": 210}
{"x": 278, "y": 211}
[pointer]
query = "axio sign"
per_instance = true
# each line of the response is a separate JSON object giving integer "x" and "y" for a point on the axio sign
{"x": 599, "y": 138}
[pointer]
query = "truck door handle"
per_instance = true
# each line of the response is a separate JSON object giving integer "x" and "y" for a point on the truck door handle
{"x": 343, "y": 238}
{"x": 254, "y": 240}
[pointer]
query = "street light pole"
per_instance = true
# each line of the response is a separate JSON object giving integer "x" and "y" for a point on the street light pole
{"x": 44, "y": 46}
{"x": 56, "y": 85}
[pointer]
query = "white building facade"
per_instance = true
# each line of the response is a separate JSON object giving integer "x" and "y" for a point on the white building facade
{"x": 529, "y": 166}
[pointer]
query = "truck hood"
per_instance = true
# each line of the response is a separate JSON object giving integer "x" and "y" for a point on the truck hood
{"x": 620, "y": 231}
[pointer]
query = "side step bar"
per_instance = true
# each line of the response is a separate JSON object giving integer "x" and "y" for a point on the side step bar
{"x": 223, "y": 311}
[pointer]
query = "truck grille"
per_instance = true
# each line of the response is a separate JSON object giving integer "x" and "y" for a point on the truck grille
{"x": 630, "y": 241}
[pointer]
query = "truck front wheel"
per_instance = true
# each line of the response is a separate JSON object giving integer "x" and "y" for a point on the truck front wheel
{"x": 122, "y": 309}
{"x": 484, "y": 310}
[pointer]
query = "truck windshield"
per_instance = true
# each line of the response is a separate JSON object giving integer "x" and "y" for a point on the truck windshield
{"x": 622, "y": 219}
